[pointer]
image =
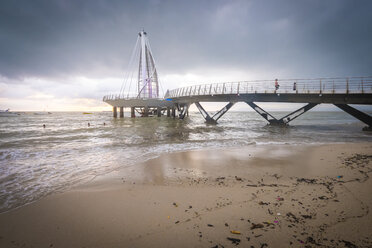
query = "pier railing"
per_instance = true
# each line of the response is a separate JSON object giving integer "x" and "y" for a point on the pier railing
{"x": 121, "y": 97}
{"x": 351, "y": 85}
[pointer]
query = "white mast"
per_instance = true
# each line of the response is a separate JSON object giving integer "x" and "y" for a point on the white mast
{"x": 148, "y": 86}
{"x": 143, "y": 62}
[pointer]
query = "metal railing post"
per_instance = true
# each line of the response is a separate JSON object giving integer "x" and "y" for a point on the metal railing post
{"x": 362, "y": 87}
{"x": 238, "y": 87}
{"x": 347, "y": 85}
{"x": 320, "y": 86}
{"x": 333, "y": 86}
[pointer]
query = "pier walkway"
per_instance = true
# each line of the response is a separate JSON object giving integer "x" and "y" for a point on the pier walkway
{"x": 338, "y": 91}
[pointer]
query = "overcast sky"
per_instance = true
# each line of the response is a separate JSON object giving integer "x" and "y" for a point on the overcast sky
{"x": 65, "y": 55}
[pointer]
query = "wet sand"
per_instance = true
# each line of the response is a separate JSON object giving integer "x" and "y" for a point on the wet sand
{"x": 257, "y": 196}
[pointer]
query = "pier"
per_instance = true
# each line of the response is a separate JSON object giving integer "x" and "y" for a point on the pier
{"x": 337, "y": 91}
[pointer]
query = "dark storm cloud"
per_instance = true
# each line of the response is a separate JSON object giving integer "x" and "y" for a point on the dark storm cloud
{"x": 95, "y": 38}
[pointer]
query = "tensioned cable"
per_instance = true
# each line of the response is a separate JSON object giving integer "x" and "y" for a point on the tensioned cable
{"x": 154, "y": 69}
{"x": 125, "y": 78}
{"x": 130, "y": 67}
{"x": 123, "y": 86}
{"x": 131, "y": 77}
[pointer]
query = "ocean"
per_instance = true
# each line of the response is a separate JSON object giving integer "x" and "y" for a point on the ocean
{"x": 37, "y": 161}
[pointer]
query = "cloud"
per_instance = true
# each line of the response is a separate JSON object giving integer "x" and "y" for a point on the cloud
{"x": 80, "y": 49}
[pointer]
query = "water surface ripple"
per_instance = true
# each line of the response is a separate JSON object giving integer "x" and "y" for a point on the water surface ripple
{"x": 35, "y": 162}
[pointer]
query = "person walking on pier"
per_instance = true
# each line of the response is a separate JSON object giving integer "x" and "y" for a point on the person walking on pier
{"x": 276, "y": 85}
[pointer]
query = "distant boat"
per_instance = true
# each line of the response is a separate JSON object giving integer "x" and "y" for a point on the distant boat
{"x": 42, "y": 113}
{"x": 7, "y": 113}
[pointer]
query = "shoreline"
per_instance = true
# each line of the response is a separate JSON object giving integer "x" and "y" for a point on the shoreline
{"x": 322, "y": 193}
{"x": 108, "y": 174}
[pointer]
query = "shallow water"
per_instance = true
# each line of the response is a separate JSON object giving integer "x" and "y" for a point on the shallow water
{"x": 35, "y": 162}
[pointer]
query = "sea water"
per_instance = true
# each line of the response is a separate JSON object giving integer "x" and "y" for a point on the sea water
{"x": 37, "y": 161}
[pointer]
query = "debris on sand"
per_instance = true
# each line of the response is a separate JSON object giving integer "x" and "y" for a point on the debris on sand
{"x": 349, "y": 244}
{"x": 255, "y": 226}
{"x": 311, "y": 241}
{"x": 175, "y": 204}
{"x": 267, "y": 223}
{"x": 251, "y": 185}
{"x": 263, "y": 203}
{"x": 235, "y": 232}
{"x": 210, "y": 225}
{"x": 307, "y": 216}
{"x": 234, "y": 240}
{"x": 238, "y": 178}
{"x": 306, "y": 180}
{"x": 276, "y": 176}
{"x": 292, "y": 217}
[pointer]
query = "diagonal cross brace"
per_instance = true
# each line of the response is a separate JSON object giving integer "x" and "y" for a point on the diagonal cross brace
{"x": 284, "y": 120}
{"x": 220, "y": 113}
{"x": 262, "y": 112}
{"x": 216, "y": 116}
{"x": 367, "y": 119}
{"x": 183, "y": 111}
{"x": 298, "y": 112}
{"x": 204, "y": 113}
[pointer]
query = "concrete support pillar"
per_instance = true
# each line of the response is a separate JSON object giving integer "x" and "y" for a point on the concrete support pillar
{"x": 173, "y": 112}
{"x": 115, "y": 111}
{"x": 121, "y": 112}
{"x": 146, "y": 113}
{"x": 159, "y": 111}
{"x": 132, "y": 113}
{"x": 168, "y": 111}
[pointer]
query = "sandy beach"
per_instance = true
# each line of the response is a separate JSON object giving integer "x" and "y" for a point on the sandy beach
{"x": 255, "y": 196}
